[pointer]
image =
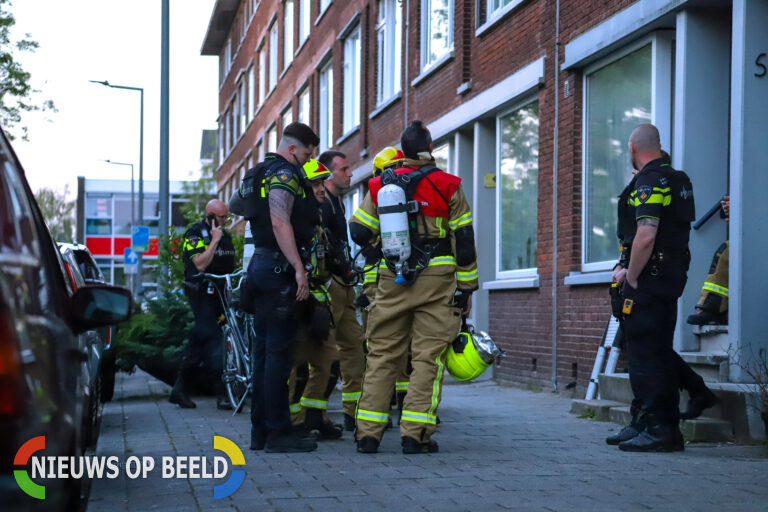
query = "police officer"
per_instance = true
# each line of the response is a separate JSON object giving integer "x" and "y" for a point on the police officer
{"x": 347, "y": 334}
{"x": 655, "y": 212}
{"x": 207, "y": 248}
{"x": 278, "y": 202}
{"x": 420, "y": 299}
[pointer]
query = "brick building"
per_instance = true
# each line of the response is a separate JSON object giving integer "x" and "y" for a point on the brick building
{"x": 531, "y": 103}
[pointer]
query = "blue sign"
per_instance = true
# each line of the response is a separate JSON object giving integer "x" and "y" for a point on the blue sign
{"x": 131, "y": 260}
{"x": 140, "y": 238}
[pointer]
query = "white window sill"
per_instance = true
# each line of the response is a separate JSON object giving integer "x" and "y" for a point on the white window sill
{"x": 512, "y": 284}
{"x": 320, "y": 16}
{"x": 341, "y": 140}
{"x": 285, "y": 70}
{"x": 496, "y": 17}
{"x": 579, "y": 279}
{"x": 427, "y": 72}
{"x": 385, "y": 105}
{"x": 302, "y": 44}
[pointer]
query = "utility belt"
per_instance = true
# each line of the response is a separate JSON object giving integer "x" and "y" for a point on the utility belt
{"x": 275, "y": 258}
{"x": 422, "y": 252}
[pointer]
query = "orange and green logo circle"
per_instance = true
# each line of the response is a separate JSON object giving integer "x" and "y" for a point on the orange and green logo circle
{"x": 22, "y": 476}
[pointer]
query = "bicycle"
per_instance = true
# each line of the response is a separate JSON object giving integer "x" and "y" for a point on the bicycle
{"x": 238, "y": 332}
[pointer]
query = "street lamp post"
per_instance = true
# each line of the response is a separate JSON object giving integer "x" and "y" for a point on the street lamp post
{"x": 140, "y": 287}
{"x": 133, "y": 216}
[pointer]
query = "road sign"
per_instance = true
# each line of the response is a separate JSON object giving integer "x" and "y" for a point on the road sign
{"x": 140, "y": 238}
{"x": 131, "y": 260}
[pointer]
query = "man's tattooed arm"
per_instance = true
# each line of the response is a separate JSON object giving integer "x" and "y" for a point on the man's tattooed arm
{"x": 648, "y": 221}
{"x": 281, "y": 205}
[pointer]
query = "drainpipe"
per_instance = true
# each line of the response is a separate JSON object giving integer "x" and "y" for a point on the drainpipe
{"x": 407, "y": 18}
{"x": 554, "y": 198}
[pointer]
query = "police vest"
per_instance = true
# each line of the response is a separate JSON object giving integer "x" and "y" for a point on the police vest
{"x": 664, "y": 191}
{"x": 199, "y": 236}
{"x": 254, "y": 190}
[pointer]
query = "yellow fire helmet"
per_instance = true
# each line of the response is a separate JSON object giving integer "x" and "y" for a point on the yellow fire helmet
{"x": 313, "y": 170}
{"x": 471, "y": 354}
{"x": 386, "y": 158}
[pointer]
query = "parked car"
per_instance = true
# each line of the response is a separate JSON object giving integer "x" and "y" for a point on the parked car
{"x": 82, "y": 258}
{"x": 41, "y": 358}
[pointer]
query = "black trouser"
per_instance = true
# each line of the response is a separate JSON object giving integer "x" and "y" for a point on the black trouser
{"x": 204, "y": 347}
{"x": 274, "y": 287}
{"x": 655, "y": 370}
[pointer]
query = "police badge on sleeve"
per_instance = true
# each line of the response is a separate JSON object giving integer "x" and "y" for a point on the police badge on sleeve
{"x": 644, "y": 193}
{"x": 284, "y": 176}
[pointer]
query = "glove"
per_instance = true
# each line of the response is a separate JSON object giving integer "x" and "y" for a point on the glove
{"x": 461, "y": 298}
{"x": 362, "y": 301}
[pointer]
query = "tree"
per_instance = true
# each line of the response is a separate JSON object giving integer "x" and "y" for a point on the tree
{"x": 15, "y": 90}
{"x": 59, "y": 213}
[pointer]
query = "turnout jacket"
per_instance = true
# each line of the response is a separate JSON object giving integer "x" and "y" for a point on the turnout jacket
{"x": 445, "y": 214}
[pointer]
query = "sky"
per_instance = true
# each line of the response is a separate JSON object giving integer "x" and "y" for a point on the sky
{"x": 117, "y": 41}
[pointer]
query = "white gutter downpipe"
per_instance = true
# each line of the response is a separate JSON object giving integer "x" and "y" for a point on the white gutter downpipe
{"x": 407, "y": 61}
{"x": 554, "y": 197}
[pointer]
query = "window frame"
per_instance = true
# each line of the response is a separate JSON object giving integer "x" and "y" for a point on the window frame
{"x": 661, "y": 117}
{"x": 304, "y": 93}
{"x": 288, "y": 32}
{"x": 305, "y": 21}
{"x": 262, "y": 56}
{"x": 525, "y": 272}
{"x": 325, "y": 120}
{"x": 274, "y": 44}
{"x": 388, "y": 50}
{"x": 425, "y": 33}
{"x": 351, "y": 113}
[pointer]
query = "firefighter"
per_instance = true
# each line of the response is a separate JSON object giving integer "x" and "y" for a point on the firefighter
{"x": 278, "y": 203}
{"x": 347, "y": 334}
{"x": 208, "y": 248}
{"x": 425, "y": 286}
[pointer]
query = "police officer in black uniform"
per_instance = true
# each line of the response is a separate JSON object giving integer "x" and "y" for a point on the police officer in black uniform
{"x": 207, "y": 248}
{"x": 655, "y": 212}
{"x": 279, "y": 204}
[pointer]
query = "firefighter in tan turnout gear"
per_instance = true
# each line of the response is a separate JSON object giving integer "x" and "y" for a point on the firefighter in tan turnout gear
{"x": 426, "y": 280}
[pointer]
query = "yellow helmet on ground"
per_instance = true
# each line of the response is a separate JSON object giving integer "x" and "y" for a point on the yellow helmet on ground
{"x": 313, "y": 170}
{"x": 471, "y": 354}
{"x": 386, "y": 158}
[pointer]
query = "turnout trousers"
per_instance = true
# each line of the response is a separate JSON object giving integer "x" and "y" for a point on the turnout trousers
{"x": 714, "y": 293}
{"x": 348, "y": 338}
{"x": 309, "y": 379}
{"x": 423, "y": 315}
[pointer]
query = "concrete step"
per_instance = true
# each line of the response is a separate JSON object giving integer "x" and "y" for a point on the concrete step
{"x": 595, "y": 409}
{"x": 615, "y": 387}
{"x": 712, "y": 366}
{"x": 699, "y": 430}
{"x": 713, "y": 338}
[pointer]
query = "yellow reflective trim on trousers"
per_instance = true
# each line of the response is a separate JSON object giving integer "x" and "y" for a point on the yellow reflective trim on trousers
{"x": 712, "y": 287}
{"x": 438, "y": 380}
{"x": 295, "y": 408}
{"x": 466, "y": 276}
{"x": 366, "y": 219}
{"x": 350, "y": 397}
{"x": 401, "y": 386}
{"x": 419, "y": 417}
{"x": 461, "y": 221}
{"x": 314, "y": 404}
{"x": 378, "y": 417}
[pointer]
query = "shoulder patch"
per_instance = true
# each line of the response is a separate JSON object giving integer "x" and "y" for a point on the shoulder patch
{"x": 644, "y": 193}
{"x": 193, "y": 240}
{"x": 284, "y": 175}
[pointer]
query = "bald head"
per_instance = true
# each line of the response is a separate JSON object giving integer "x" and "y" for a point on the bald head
{"x": 644, "y": 145}
{"x": 216, "y": 207}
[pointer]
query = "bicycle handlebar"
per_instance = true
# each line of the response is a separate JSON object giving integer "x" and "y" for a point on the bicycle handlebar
{"x": 218, "y": 277}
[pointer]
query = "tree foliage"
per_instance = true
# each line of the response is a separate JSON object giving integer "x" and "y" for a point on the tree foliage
{"x": 16, "y": 92}
{"x": 59, "y": 213}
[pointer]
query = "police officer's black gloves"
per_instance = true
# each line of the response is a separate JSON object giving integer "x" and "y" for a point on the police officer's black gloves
{"x": 461, "y": 298}
{"x": 362, "y": 301}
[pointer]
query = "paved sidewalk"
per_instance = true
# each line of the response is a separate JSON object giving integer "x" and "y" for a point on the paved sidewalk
{"x": 501, "y": 448}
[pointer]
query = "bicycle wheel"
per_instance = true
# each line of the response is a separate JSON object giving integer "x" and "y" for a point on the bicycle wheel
{"x": 233, "y": 374}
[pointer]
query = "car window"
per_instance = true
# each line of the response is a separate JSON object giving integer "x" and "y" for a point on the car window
{"x": 16, "y": 220}
{"x": 88, "y": 267}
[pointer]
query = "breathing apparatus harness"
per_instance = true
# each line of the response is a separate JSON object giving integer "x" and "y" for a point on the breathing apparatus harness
{"x": 406, "y": 253}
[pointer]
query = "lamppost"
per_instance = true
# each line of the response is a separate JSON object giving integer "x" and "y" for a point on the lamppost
{"x": 133, "y": 216}
{"x": 140, "y": 287}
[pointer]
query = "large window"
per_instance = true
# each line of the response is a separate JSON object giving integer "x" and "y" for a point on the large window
{"x": 243, "y": 99}
{"x": 272, "y": 139}
{"x": 251, "y": 93}
{"x": 389, "y": 31}
{"x": 324, "y": 5}
{"x": 273, "y": 56}
{"x": 352, "y": 80}
{"x": 287, "y": 117}
{"x": 496, "y": 5}
{"x": 262, "y": 74}
{"x": 442, "y": 155}
{"x": 436, "y": 30}
{"x": 617, "y": 99}
{"x": 305, "y": 23}
{"x": 304, "y": 112}
{"x": 517, "y": 135}
{"x": 288, "y": 34}
{"x": 326, "y": 107}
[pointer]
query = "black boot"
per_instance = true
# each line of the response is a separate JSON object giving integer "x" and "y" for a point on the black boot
{"x": 656, "y": 437}
{"x": 349, "y": 422}
{"x": 257, "y": 440}
{"x": 698, "y": 402}
{"x": 326, "y": 430}
{"x": 368, "y": 445}
{"x": 632, "y": 430}
{"x": 412, "y": 446}
{"x": 179, "y": 395}
{"x": 291, "y": 442}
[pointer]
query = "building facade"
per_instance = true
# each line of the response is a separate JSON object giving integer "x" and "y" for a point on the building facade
{"x": 531, "y": 103}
